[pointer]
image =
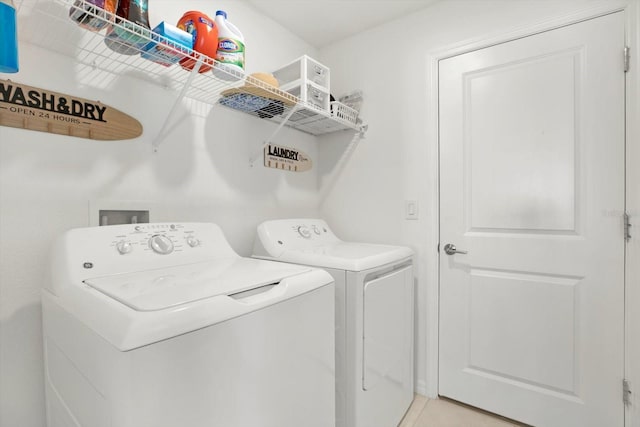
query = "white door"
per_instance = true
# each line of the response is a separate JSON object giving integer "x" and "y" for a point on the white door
{"x": 532, "y": 187}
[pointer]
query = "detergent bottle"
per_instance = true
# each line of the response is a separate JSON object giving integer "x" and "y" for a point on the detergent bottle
{"x": 93, "y": 15}
{"x": 205, "y": 38}
{"x": 130, "y": 32}
{"x": 230, "y": 51}
{"x": 8, "y": 37}
{"x": 134, "y": 12}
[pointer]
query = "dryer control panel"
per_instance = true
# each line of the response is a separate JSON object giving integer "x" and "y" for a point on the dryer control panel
{"x": 311, "y": 242}
{"x": 276, "y": 236}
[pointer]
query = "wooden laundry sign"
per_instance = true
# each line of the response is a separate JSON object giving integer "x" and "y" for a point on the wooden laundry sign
{"x": 285, "y": 158}
{"x": 28, "y": 107}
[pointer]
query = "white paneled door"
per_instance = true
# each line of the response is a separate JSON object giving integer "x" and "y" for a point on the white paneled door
{"x": 532, "y": 189}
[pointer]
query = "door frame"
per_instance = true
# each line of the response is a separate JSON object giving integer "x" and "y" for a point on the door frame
{"x": 631, "y": 8}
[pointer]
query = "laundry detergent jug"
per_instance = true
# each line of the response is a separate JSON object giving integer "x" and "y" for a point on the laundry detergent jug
{"x": 205, "y": 38}
{"x": 230, "y": 53}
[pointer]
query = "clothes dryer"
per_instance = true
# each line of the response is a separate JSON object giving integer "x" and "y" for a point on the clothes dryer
{"x": 374, "y": 316}
{"x": 164, "y": 325}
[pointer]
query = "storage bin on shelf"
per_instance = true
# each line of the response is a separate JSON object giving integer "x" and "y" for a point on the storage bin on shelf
{"x": 308, "y": 80}
{"x": 344, "y": 112}
{"x": 313, "y": 96}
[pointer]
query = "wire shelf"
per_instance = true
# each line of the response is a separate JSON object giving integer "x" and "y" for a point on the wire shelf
{"x": 46, "y": 23}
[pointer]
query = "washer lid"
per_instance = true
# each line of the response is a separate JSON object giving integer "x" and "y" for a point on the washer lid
{"x": 347, "y": 255}
{"x": 168, "y": 287}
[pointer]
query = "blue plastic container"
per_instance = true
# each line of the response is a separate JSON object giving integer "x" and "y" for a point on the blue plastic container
{"x": 8, "y": 38}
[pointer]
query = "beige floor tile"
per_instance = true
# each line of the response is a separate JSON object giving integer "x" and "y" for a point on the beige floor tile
{"x": 414, "y": 411}
{"x": 445, "y": 413}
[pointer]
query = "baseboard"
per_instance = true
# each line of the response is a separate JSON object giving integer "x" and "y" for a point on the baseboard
{"x": 421, "y": 388}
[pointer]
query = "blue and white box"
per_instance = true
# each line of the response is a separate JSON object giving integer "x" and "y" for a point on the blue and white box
{"x": 172, "y": 45}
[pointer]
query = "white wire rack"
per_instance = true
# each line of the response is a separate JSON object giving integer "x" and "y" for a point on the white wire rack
{"x": 46, "y": 23}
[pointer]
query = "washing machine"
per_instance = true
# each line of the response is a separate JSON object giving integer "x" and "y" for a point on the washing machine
{"x": 164, "y": 325}
{"x": 374, "y": 316}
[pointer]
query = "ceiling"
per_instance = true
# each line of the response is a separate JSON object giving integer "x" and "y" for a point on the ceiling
{"x": 324, "y": 22}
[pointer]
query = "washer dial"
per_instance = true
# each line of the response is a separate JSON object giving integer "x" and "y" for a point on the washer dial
{"x": 161, "y": 244}
{"x": 192, "y": 241}
{"x": 124, "y": 247}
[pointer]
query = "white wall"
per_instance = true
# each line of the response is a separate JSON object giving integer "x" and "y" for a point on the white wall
{"x": 397, "y": 159}
{"x": 201, "y": 173}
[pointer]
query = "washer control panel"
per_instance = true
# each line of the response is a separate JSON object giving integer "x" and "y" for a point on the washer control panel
{"x": 115, "y": 249}
{"x": 160, "y": 239}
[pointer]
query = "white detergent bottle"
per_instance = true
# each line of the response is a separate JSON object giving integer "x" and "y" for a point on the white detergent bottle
{"x": 230, "y": 52}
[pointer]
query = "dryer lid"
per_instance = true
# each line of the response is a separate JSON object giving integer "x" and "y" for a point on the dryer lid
{"x": 347, "y": 255}
{"x": 169, "y": 287}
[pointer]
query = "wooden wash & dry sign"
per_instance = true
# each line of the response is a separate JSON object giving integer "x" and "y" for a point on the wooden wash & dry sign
{"x": 28, "y": 107}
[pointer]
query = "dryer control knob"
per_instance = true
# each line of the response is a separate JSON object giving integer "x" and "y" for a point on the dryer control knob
{"x": 124, "y": 247}
{"x": 304, "y": 231}
{"x": 161, "y": 244}
{"x": 193, "y": 242}
{"x": 316, "y": 229}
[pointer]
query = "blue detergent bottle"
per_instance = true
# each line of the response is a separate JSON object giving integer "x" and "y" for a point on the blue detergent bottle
{"x": 8, "y": 38}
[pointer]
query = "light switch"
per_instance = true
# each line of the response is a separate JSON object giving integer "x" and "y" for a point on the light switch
{"x": 411, "y": 209}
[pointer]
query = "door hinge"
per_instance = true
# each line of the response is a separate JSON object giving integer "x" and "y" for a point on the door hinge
{"x": 626, "y": 392}
{"x": 627, "y": 227}
{"x": 627, "y": 59}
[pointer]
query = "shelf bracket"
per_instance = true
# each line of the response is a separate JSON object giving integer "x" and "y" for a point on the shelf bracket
{"x": 181, "y": 95}
{"x": 255, "y": 157}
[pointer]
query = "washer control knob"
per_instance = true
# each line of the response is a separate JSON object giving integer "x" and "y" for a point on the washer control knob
{"x": 304, "y": 231}
{"x": 161, "y": 244}
{"x": 124, "y": 247}
{"x": 316, "y": 229}
{"x": 193, "y": 242}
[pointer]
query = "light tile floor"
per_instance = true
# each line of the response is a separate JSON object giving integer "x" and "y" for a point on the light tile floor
{"x": 447, "y": 413}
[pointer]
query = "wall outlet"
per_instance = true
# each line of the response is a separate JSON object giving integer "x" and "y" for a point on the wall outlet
{"x": 411, "y": 209}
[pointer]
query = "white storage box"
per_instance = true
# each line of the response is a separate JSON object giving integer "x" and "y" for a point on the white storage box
{"x": 307, "y": 79}
{"x": 314, "y": 96}
{"x": 302, "y": 71}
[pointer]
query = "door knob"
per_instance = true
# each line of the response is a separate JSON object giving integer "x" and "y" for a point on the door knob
{"x": 451, "y": 249}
